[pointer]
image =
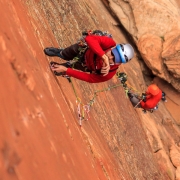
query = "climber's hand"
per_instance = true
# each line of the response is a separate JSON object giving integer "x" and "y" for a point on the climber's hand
{"x": 106, "y": 66}
{"x": 58, "y": 68}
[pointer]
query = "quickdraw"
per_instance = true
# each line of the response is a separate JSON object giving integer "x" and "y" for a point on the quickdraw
{"x": 82, "y": 110}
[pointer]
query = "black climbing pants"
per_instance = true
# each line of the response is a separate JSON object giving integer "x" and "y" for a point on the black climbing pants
{"x": 70, "y": 52}
{"x": 73, "y": 51}
{"x": 135, "y": 101}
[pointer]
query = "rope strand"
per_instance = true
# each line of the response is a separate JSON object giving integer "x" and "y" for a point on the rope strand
{"x": 83, "y": 110}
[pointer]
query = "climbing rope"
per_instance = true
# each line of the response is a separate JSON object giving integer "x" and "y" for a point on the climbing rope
{"x": 127, "y": 87}
{"x": 84, "y": 109}
{"x": 81, "y": 108}
{"x": 102, "y": 90}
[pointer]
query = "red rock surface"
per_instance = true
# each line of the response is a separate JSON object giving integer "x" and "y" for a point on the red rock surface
{"x": 154, "y": 27}
{"x": 40, "y": 136}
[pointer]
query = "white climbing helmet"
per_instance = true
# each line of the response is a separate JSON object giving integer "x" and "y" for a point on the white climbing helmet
{"x": 123, "y": 53}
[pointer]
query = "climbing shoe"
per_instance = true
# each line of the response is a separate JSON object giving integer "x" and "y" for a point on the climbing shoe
{"x": 51, "y": 51}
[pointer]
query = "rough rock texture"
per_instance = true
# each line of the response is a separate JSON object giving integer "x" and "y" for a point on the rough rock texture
{"x": 175, "y": 155}
{"x": 154, "y": 26}
{"x": 40, "y": 135}
{"x": 140, "y": 17}
{"x": 151, "y": 54}
{"x": 173, "y": 98}
{"x": 178, "y": 173}
{"x": 175, "y": 158}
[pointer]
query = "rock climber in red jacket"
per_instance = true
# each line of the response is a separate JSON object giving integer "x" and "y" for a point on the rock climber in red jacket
{"x": 151, "y": 98}
{"x": 98, "y": 63}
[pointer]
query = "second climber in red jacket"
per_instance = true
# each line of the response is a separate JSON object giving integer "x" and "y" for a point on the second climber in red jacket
{"x": 100, "y": 60}
{"x": 151, "y": 98}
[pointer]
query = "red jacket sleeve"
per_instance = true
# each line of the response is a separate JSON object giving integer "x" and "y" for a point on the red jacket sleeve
{"x": 98, "y": 44}
{"x": 91, "y": 78}
{"x": 152, "y": 101}
{"x": 149, "y": 104}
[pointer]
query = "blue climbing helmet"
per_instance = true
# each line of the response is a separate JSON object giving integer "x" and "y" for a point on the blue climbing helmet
{"x": 123, "y": 53}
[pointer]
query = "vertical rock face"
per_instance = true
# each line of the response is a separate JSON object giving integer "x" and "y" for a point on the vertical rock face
{"x": 171, "y": 53}
{"x": 175, "y": 155}
{"x": 178, "y": 173}
{"x": 154, "y": 25}
{"x": 150, "y": 47}
{"x": 162, "y": 56}
{"x": 141, "y": 17}
{"x": 175, "y": 158}
{"x": 40, "y": 135}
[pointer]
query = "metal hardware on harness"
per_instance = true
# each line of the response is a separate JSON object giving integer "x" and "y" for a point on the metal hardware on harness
{"x": 122, "y": 77}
